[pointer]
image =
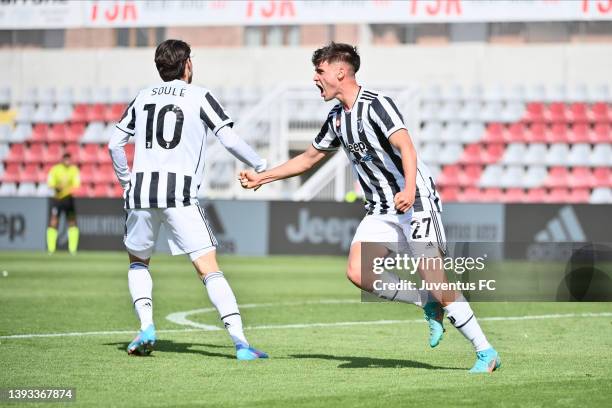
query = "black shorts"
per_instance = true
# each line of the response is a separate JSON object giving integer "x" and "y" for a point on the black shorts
{"x": 64, "y": 205}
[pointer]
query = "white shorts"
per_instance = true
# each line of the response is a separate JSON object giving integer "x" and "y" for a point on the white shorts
{"x": 416, "y": 230}
{"x": 187, "y": 229}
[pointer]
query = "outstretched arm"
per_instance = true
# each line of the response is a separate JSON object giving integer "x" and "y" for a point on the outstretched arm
{"x": 298, "y": 165}
{"x": 240, "y": 149}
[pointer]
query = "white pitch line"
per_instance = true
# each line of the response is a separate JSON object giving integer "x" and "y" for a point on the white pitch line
{"x": 304, "y": 325}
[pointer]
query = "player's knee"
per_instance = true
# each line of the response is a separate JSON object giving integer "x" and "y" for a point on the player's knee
{"x": 353, "y": 273}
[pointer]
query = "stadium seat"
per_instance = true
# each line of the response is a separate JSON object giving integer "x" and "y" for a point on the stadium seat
{"x": 535, "y": 154}
{"x": 601, "y": 195}
{"x": 472, "y": 132}
{"x": 557, "y": 177}
{"x": 491, "y": 112}
{"x": 40, "y": 132}
{"x": 116, "y": 190}
{"x": 602, "y": 133}
{"x": 85, "y": 190}
{"x": 35, "y": 153}
{"x": 494, "y": 152}
{"x": 450, "y": 153}
{"x": 601, "y": 112}
{"x": 5, "y": 133}
{"x": 57, "y": 133}
{"x": 536, "y": 93}
{"x": 8, "y": 189}
{"x": 65, "y": 96}
{"x": 12, "y": 173}
{"x": 16, "y": 153}
{"x": 96, "y": 113}
{"x": 581, "y": 177}
{"x": 74, "y": 132}
{"x": 558, "y": 195}
{"x": 473, "y": 154}
{"x": 517, "y": 132}
{"x": 53, "y": 153}
{"x": 4, "y": 151}
{"x": 431, "y": 132}
{"x": 429, "y": 111}
{"x": 449, "y": 176}
{"x": 470, "y": 175}
{"x": 512, "y": 176}
{"x": 43, "y": 114}
{"x": 451, "y": 132}
{"x": 114, "y": 113}
{"x": 602, "y": 177}
{"x": 491, "y": 175}
{"x": 93, "y": 133}
{"x": 579, "y": 113}
{"x": 535, "y": 176}
{"x": 449, "y": 112}
{"x": 21, "y": 132}
{"x": 470, "y": 111}
{"x": 449, "y": 194}
{"x": 513, "y": 112}
{"x": 74, "y": 150}
{"x": 579, "y": 195}
{"x": 557, "y": 154}
{"x": 492, "y": 195}
{"x": 32, "y": 173}
{"x": 556, "y": 113}
{"x": 79, "y": 114}
{"x": 104, "y": 174}
{"x": 495, "y": 133}
{"x": 579, "y": 133}
{"x": 42, "y": 190}
{"x": 431, "y": 152}
{"x": 471, "y": 194}
{"x": 534, "y": 112}
{"x": 556, "y": 94}
{"x": 102, "y": 190}
{"x": 538, "y": 133}
{"x": 579, "y": 155}
{"x": 88, "y": 172}
{"x": 495, "y": 93}
{"x": 514, "y": 195}
{"x": 535, "y": 195}
{"x": 25, "y": 113}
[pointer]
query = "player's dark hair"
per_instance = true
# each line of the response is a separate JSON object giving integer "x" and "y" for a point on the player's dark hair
{"x": 337, "y": 52}
{"x": 170, "y": 59}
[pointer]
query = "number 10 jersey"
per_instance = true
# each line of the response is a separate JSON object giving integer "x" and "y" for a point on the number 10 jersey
{"x": 171, "y": 122}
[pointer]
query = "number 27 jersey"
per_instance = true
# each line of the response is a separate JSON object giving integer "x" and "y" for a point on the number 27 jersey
{"x": 170, "y": 122}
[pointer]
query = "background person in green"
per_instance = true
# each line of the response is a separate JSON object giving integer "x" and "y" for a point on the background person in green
{"x": 63, "y": 178}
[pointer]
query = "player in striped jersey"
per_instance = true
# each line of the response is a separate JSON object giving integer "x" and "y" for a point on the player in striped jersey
{"x": 171, "y": 122}
{"x": 401, "y": 199}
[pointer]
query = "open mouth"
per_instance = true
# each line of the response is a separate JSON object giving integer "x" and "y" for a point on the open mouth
{"x": 320, "y": 88}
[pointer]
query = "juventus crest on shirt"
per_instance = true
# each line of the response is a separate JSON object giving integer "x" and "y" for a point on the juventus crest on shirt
{"x": 364, "y": 133}
{"x": 170, "y": 122}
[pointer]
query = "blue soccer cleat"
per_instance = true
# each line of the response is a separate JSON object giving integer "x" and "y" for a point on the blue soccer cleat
{"x": 434, "y": 314}
{"x": 487, "y": 361}
{"x": 248, "y": 353}
{"x": 143, "y": 344}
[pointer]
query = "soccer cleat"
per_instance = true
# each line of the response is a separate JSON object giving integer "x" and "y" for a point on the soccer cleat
{"x": 248, "y": 353}
{"x": 487, "y": 361}
{"x": 143, "y": 344}
{"x": 434, "y": 314}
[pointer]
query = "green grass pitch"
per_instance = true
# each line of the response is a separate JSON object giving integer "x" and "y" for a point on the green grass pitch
{"x": 562, "y": 361}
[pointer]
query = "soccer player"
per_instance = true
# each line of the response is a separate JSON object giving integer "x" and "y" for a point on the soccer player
{"x": 63, "y": 178}
{"x": 171, "y": 122}
{"x": 400, "y": 192}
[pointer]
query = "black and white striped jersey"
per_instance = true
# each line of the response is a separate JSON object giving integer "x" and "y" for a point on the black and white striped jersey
{"x": 170, "y": 122}
{"x": 364, "y": 133}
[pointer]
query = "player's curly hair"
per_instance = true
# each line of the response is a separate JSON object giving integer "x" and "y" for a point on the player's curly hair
{"x": 337, "y": 52}
{"x": 170, "y": 59}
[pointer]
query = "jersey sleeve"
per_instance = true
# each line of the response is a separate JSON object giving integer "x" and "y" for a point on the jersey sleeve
{"x": 213, "y": 115}
{"x": 385, "y": 114}
{"x": 326, "y": 139}
{"x": 127, "y": 123}
{"x": 51, "y": 177}
{"x": 75, "y": 179}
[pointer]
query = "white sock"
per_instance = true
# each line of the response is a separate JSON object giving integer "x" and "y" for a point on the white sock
{"x": 222, "y": 297}
{"x": 415, "y": 297}
{"x": 141, "y": 289}
{"x": 460, "y": 314}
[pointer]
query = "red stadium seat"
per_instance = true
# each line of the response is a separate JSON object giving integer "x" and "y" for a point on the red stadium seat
{"x": 495, "y": 133}
{"x": 57, "y": 133}
{"x": 88, "y": 172}
{"x": 494, "y": 152}
{"x": 601, "y": 112}
{"x": 96, "y": 113}
{"x": 32, "y": 173}
{"x": 117, "y": 190}
{"x": 86, "y": 190}
{"x": 473, "y": 154}
{"x": 40, "y": 132}
{"x": 471, "y": 195}
{"x": 35, "y": 153}
{"x": 557, "y": 113}
{"x": 54, "y": 153}
{"x": 75, "y": 152}
{"x": 102, "y": 190}
{"x": 79, "y": 114}
{"x": 579, "y": 195}
{"x": 538, "y": 133}
{"x": 492, "y": 195}
{"x": 602, "y": 133}
{"x": 580, "y": 133}
{"x": 12, "y": 173}
{"x": 514, "y": 195}
{"x": 535, "y": 195}
{"x": 517, "y": 133}
{"x": 16, "y": 153}
{"x": 89, "y": 153}
{"x": 579, "y": 113}
{"x": 470, "y": 175}
{"x": 557, "y": 177}
{"x": 581, "y": 177}
{"x": 449, "y": 176}
{"x": 449, "y": 194}
{"x": 558, "y": 195}
{"x": 559, "y": 133}
{"x": 74, "y": 132}
{"x": 129, "y": 152}
{"x": 535, "y": 112}
{"x": 602, "y": 177}
{"x": 103, "y": 155}
{"x": 114, "y": 113}
{"x": 104, "y": 174}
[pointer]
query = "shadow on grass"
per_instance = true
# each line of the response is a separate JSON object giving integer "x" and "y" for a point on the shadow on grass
{"x": 372, "y": 362}
{"x": 168, "y": 346}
